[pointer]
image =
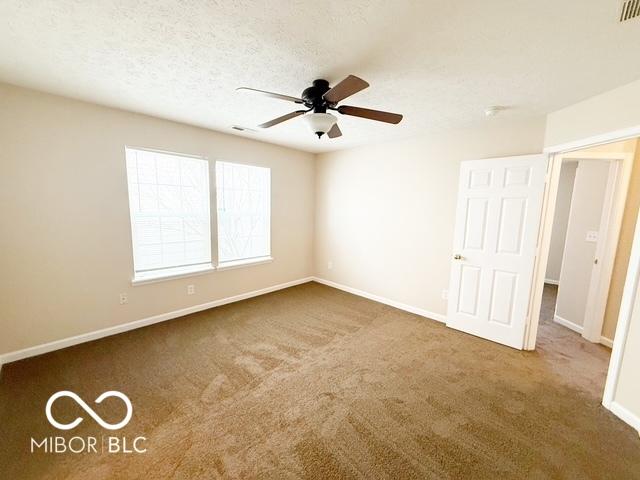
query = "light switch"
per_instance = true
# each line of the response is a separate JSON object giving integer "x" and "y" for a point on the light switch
{"x": 592, "y": 236}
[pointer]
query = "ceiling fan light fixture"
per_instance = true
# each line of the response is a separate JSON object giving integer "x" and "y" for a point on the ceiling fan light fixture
{"x": 320, "y": 123}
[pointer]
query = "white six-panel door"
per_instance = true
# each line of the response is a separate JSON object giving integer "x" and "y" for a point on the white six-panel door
{"x": 496, "y": 231}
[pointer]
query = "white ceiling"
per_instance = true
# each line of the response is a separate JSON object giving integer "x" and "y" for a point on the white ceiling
{"x": 440, "y": 63}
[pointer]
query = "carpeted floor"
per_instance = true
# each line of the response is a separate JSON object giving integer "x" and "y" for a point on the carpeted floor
{"x": 311, "y": 382}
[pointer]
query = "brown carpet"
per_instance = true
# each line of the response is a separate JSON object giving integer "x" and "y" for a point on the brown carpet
{"x": 311, "y": 382}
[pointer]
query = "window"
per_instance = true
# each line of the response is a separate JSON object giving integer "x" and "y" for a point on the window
{"x": 243, "y": 196}
{"x": 170, "y": 218}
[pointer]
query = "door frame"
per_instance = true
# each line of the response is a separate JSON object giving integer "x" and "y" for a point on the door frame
{"x": 556, "y": 154}
{"x": 609, "y": 228}
{"x": 631, "y": 290}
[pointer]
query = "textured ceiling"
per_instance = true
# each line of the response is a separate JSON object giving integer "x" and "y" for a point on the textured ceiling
{"x": 440, "y": 63}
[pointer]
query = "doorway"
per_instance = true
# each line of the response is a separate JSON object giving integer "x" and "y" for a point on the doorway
{"x": 597, "y": 205}
{"x": 502, "y": 235}
{"x": 582, "y": 218}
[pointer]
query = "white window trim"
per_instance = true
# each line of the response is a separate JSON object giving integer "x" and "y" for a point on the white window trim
{"x": 171, "y": 274}
{"x": 175, "y": 273}
{"x": 168, "y": 152}
{"x": 245, "y": 262}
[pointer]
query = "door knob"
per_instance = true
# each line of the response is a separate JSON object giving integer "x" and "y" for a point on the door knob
{"x": 457, "y": 256}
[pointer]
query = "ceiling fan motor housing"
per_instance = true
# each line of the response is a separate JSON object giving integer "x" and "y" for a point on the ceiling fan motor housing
{"x": 312, "y": 96}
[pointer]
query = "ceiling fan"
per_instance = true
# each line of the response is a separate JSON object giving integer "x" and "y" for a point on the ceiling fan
{"x": 319, "y": 98}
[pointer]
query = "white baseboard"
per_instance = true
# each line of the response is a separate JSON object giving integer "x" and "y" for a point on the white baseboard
{"x": 125, "y": 327}
{"x": 607, "y": 342}
{"x": 551, "y": 281}
{"x": 625, "y": 415}
{"x": 566, "y": 323}
{"x": 402, "y": 306}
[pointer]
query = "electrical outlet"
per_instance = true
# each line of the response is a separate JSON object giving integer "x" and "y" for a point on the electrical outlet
{"x": 123, "y": 298}
{"x": 330, "y": 265}
{"x": 592, "y": 236}
{"x": 445, "y": 294}
{"x": 191, "y": 289}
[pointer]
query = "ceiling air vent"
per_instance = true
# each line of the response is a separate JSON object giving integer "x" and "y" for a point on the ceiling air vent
{"x": 630, "y": 9}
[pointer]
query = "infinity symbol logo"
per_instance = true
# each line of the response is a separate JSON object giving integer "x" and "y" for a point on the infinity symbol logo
{"x": 89, "y": 410}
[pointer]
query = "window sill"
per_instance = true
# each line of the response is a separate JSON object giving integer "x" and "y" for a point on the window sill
{"x": 180, "y": 272}
{"x": 244, "y": 263}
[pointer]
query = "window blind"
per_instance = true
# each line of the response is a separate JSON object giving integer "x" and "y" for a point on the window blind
{"x": 243, "y": 194}
{"x": 169, "y": 205}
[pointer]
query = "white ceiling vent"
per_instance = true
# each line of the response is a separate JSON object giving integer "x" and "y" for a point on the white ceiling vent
{"x": 630, "y": 9}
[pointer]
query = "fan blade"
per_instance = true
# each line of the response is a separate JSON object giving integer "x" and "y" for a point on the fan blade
{"x": 273, "y": 95}
{"x": 334, "y": 132}
{"x": 378, "y": 115}
{"x": 281, "y": 119}
{"x": 345, "y": 88}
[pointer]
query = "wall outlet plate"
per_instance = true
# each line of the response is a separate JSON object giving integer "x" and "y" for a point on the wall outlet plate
{"x": 445, "y": 294}
{"x": 191, "y": 289}
{"x": 330, "y": 265}
{"x": 123, "y": 298}
{"x": 592, "y": 236}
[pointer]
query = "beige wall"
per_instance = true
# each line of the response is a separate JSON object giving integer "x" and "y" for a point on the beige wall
{"x": 589, "y": 190}
{"x": 631, "y": 210}
{"x": 65, "y": 243}
{"x": 385, "y": 213}
{"x": 560, "y": 220}
{"x": 611, "y": 111}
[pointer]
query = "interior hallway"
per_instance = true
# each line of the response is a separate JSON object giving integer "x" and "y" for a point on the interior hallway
{"x": 569, "y": 350}
{"x": 312, "y": 382}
